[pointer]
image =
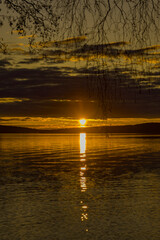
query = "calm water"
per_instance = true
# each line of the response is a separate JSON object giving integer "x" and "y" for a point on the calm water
{"x": 79, "y": 186}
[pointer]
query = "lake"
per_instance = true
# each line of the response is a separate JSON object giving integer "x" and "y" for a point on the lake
{"x": 79, "y": 187}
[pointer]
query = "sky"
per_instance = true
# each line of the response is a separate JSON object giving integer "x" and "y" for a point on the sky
{"x": 64, "y": 80}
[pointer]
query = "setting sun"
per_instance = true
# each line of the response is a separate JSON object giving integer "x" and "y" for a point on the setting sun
{"x": 82, "y": 122}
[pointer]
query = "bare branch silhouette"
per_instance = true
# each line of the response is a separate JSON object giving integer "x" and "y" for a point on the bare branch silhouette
{"x": 102, "y": 22}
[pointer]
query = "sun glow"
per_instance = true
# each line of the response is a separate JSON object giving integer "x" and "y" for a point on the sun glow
{"x": 82, "y": 121}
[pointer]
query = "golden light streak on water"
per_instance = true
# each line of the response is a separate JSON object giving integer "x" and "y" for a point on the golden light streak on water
{"x": 83, "y": 166}
{"x": 82, "y": 145}
{"x": 83, "y": 179}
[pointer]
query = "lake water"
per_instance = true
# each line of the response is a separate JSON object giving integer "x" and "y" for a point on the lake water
{"x": 79, "y": 186}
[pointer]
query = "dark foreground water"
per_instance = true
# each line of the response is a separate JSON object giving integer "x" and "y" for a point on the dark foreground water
{"x": 79, "y": 186}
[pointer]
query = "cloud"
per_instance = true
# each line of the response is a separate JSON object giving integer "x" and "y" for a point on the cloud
{"x": 4, "y": 63}
{"x": 52, "y": 92}
{"x": 58, "y": 82}
{"x": 12, "y": 100}
{"x": 70, "y": 100}
{"x": 156, "y": 66}
{"x": 8, "y": 119}
{"x": 101, "y": 49}
{"x": 16, "y": 51}
{"x": 55, "y": 53}
{"x": 141, "y": 51}
{"x": 113, "y": 50}
{"x": 17, "y": 45}
{"x": 110, "y": 53}
{"x": 31, "y": 60}
{"x": 26, "y": 36}
{"x": 67, "y": 41}
{"x": 41, "y": 82}
{"x": 17, "y": 31}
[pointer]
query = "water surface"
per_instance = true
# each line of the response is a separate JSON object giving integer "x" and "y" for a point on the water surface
{"x": 79, "y": 186}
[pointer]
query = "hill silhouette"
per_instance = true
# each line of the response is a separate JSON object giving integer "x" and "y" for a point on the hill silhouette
{"x": 148, "y": 128}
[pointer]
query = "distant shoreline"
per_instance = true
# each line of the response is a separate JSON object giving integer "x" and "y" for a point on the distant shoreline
{"x": 148, "y": 128}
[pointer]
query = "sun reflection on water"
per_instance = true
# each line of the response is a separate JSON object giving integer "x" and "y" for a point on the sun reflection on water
{"x": 82, "y": 145}
{"x": 83, "y": 166}
{"x": 83, "y": 180}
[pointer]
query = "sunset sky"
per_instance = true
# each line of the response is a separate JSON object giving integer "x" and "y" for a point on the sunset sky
{"x": 57, "y": 84}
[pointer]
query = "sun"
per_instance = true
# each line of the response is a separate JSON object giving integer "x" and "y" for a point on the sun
{"x": 82, "y": 121}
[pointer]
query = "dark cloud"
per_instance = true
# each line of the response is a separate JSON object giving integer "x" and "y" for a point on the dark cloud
{"x": 14, "y": 119}
{"x": 41, "y": 83}
{"x": 130, "y": 93}
{"x": 41, "y": 86}
{"x": 141, "y": 51}
{"x": 4, "y": 63}
{"x": 45, "y": 84}
{"x": 69, "y": 41}
{"x": 30, "y": 60}
{"x": 105, "y": 49}
{"x": 54, "y": 52}
{"x": 114, "y": 50}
